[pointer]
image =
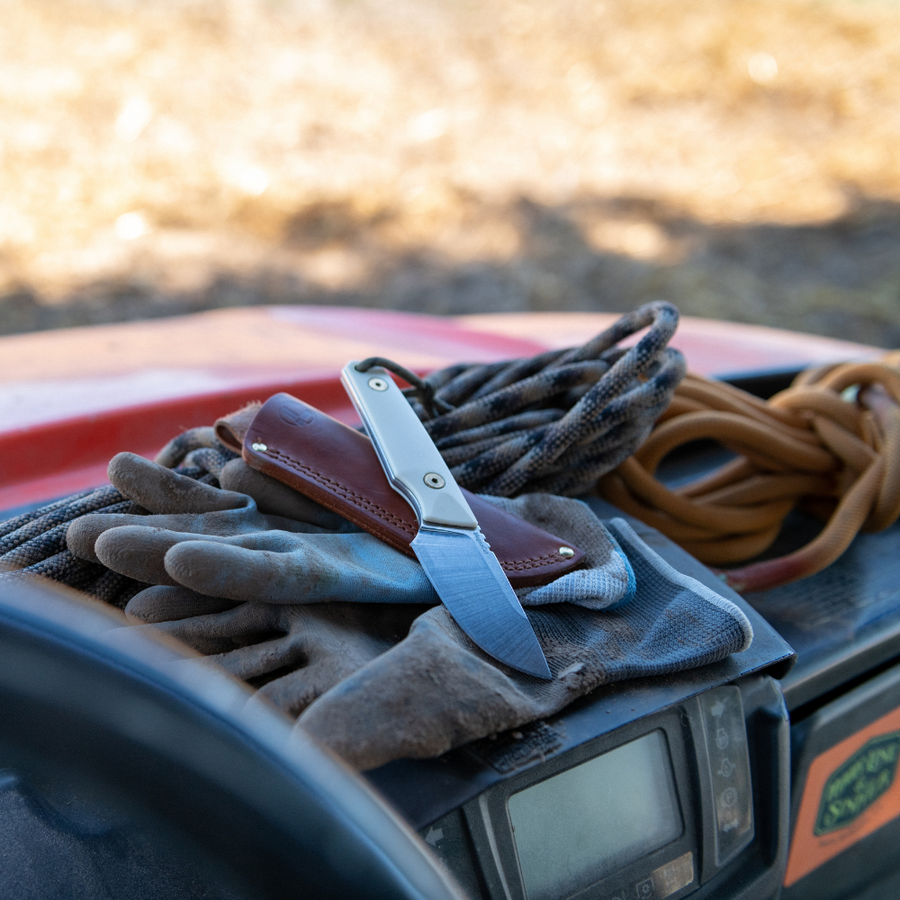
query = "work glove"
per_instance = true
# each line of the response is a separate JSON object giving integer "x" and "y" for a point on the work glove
{"x": 220, "y": 543}
{"x": 436, "y": 690}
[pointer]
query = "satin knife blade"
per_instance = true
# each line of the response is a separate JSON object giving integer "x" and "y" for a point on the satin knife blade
{"x": 449, "y": 544}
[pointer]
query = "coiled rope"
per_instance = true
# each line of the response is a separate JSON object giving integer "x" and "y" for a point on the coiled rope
{"x": 559, "y": 421}
{"x": 830, "y": 444}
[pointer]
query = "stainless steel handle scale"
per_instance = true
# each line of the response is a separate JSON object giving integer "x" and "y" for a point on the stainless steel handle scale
{"x": 449, "y": 544}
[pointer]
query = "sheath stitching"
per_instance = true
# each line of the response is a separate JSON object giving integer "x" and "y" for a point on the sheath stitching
{"x": 531, "y": 562}
{"x": 342, "y": 491}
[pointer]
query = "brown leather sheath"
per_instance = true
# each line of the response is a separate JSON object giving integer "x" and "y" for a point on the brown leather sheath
{"x": 338, "y": 467}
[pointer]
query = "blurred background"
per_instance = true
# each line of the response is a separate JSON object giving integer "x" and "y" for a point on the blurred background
{"x": 737, "y": 157}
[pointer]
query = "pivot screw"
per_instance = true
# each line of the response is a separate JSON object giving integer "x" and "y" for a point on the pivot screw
{"x": 433, "y": 480}
{"x": 566, "y": 552}
{"x": 378, "y": 384}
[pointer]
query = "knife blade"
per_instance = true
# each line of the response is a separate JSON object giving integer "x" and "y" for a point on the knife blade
{"x": 449, "y": 544}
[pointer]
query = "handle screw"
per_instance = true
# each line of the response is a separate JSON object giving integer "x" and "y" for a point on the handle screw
{"x": 378, "y": 384}
{"x": 433, "y": 480}
{"x": 566, "y": 552}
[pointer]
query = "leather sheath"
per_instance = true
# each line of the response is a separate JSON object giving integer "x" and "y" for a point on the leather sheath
{"x": 338, "y": 467}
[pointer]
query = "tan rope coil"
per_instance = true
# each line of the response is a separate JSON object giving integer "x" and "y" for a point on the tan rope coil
{"x": 829, "y": 443}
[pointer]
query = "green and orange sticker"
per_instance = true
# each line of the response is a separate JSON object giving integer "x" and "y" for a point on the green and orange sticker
{"x": 851, "y": 791}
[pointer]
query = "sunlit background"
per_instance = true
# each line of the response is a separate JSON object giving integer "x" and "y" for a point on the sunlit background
{"x": 738, "y": 157}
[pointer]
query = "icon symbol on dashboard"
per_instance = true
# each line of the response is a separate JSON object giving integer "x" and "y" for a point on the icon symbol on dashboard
{"x": 644, "y": 889}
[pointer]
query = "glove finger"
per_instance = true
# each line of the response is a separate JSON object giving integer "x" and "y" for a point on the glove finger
{"x": 349, "y": 568}
{"x": 138, "y": 552}
{"x": 258, "y": 576}
{"x": 242, "y": 525}
{"x": 296, "y": 690}
{"x": 259, "y": 663}
{"x": 220, "y": 634}
{"x": 83, "y": 532}
{"x": 275, "y": 498}
{"x": 167, "y": 604}
{"x": 161, "y": 490}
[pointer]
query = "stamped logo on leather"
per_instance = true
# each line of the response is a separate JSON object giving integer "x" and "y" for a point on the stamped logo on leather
{"x": 296, "y": 415}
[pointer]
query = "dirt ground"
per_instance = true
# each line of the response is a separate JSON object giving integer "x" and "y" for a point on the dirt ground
{"x": 737, "y": 157}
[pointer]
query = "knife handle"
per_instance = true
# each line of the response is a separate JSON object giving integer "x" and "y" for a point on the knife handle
{"x": 410, "y": 460}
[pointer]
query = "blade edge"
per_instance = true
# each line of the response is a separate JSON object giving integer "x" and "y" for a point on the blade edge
{"x": 464, "y": 572}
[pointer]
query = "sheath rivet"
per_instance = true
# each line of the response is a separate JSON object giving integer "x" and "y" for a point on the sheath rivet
{"x": 567, "y": 552}
{"x": 433, "y": 480}
{"x": 378, "y": 384}
{"x": 259, "y": 447}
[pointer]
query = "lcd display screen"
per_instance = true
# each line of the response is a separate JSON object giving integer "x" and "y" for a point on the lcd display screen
{"x": 585, "y": 823}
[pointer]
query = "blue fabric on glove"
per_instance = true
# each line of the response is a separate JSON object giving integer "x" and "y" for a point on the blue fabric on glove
{"x": 703, "y": 622}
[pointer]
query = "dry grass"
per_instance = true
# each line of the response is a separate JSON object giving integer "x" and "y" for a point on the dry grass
{"x": 736, "y": 156}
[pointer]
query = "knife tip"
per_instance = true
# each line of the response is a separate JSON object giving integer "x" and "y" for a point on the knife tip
{"x": 539, "y": 669}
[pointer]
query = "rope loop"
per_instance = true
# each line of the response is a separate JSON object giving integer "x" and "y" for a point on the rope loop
{"x": 420, "y": 388}
{"x": 830, "y": 444}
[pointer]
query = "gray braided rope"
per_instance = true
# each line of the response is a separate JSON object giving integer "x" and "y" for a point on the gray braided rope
{"x": 558, "y": 421}
{"x": 551, "y": 423}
